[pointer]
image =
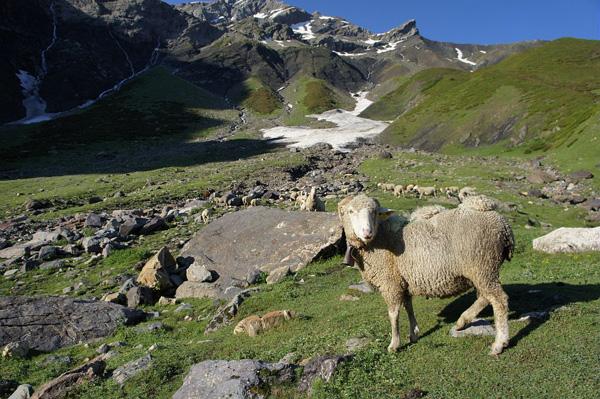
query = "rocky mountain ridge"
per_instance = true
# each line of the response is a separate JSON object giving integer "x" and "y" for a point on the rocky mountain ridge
{"x": 65, "y": 54}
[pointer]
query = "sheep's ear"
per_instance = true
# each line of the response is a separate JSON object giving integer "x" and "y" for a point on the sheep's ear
{"x": 342, "y": 205}
{"x": 384, "y": 214}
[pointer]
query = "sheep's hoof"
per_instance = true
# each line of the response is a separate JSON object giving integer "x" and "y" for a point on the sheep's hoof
{"x": 393, "y": 348}
{"x": 497, "y": 349}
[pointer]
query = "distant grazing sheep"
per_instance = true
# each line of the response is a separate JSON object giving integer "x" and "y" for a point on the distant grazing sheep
{"x": 466, "y": 192}
{"x": 312, "y": 202}
{"x": 451, "y": 191}
{"x": 441, "y": 253}
{"x": 206, "y": 214}
{"x": 398, "y": 190}
{"x": 255, "y": 202}
{"x": 425, "y": 191}
{"x": 246, "y": 200}
{"x": 254, "y": 325}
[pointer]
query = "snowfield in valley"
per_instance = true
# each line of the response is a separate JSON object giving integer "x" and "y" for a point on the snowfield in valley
{"x": 350, "y": 127}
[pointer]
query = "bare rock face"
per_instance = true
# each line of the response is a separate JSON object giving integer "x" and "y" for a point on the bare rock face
{"x": 569, "y": 240}
{"x": 60, "y": 386}
{"x": 233, "y": 379}
{"x": 49, "y": 323}
{"x": 264, "y": 239}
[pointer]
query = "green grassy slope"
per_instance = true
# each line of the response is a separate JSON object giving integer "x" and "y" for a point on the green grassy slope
{"x": 537, "y": 101}
{"x": 565, "y": 347}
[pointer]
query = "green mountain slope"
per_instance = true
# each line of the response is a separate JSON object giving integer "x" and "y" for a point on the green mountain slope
{"x": 542, "y": 101}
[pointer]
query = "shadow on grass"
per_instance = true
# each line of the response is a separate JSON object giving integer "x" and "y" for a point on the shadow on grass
{"x": 526, "y": 298}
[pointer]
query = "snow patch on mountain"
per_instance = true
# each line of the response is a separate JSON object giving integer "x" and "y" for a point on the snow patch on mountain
{"x": 349, "y": 54}
{"x": 350, "y": 127}
{"x": 461, "y": 58}
{"x": 304, "y": 29}
{"x": 389, "y": 47}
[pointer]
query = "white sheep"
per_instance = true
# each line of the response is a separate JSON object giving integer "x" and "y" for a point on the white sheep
{"x": 312, "y": 202}
{"x": 246, "y": 199}
{"x": 451, "y": 191}
{"x": 206, "y": 214}
{"x": 466, "y": 192}
{"x": 442, "y": 253}
{"x": 255, "y": 202}
{"x": 399, "y": 190}
{"x": 425, "y": 191}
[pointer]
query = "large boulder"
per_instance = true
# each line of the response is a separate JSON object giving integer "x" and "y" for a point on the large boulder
{"x": 233, "y": 379}
{"x": 571, "y": 240}
{"x": 259, "y": 238}
{"x": 155, "y": 273}
{"x": 49, "y": 323}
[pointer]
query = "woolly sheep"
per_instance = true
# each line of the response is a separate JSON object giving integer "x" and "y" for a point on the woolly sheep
{"x": 386, "y": 186}
{"x": 254, "y": 325}
{"x": 398, "y": 190}
{"x": 466, "y": 192}
{"x": 313, "y": 203}
{"x": 255, "y": 202}
{"x": 206, "y": 214}
{"x": 451, "y": 191}
{"x": 440, "y": 254}
{"x": 409, "y": 188}
{"x": 425, "y": 191}
{"x": 246, "y": 200}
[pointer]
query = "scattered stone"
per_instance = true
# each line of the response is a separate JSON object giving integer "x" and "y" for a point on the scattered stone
{"x": 226, "y": 314}
{"x": 155, "y": 224}
{"x": 349, "y": 298}
{"x": 198, "y": 273}
{"x": 538, "y": 176}
{"x": 155, "y": 273}
{"x": 68, "y": 290}
{"x": 355, "y": 344}
{"x": 166, "y": 301}
{"x": 103, "y": 349}
{"x": 48, "y": 252}
{"x": 95, "y": 199}
{"x": 34, "y": 205}
{"x": 363, "y": 287}
{"x": 322, "y": 367}
{"x": 48, "y": 323}
{"x": 10, "y": 273}
{"x": 277, "y": 275}
{"x": 183, "y": 308}
{"x": 46, "y": 236}
{"x": 53, "y": 264}
{"x": 7, "y": 387}
{"x": 93, "y": 220}
{"x": 477, "y": 327}
{"x": 128, "y": 370}
{"x": 581, "y": 175}
{"x": 131, "y": 226}
{"x": 569, "y": 240}
{"x": 592, "y": 204}
{"x": 233, "y": 379}
{"x": 92, "y": 245}
{"x": 190, "y": 289}
{"x": 15, "y": 350}
{"x": 385, "y": 155}
{"x": 153, "y": 347}
{"x": 543, "y": 315}
{"x": 23, "y": 391}
{"x": 106, "y": 251}
{"x": 156, "y": 326}
{"x": 59, "y": 387}
{"x": 137, "y": 296}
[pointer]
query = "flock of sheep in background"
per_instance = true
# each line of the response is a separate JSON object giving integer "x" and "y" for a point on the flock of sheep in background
{"x": 450, "y": 192}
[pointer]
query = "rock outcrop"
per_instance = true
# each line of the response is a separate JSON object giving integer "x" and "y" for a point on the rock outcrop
{"x": 569, "y": 240}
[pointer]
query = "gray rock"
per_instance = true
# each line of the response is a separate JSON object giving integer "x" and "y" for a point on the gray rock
{"x": 7, "y": 387}
{"x": 569, "y": 240}
{"x": 592, "y": 204}
{"x": 104, "y": 348}
{"x": 93, "y": 220}
{"x": 15, "y": 350}
{"x": 60, "y": 386}
{"x": 46, "y": 236}
{"x": 477, "y": 327}
{"x": 155, "y": 224}
{"x": 128, "y": 370}
{"x": 260, "y": 238}
{"x": 355, "y": 344}
{"x": 226, "y": 313}
{"x": 198, "y": 273}
{"x": 137, "y": 296}
{"x": 131, "y": 226}
{"x": 11, "y": 272}
{"x": 48, "y": 252}
{"x": 92, "y": 245}
{"x": 363, "y": 287}
{"x": 183, "y": 308}
{"x": 581, "y": 175}
{"x": 233, "y": 379}
{"x": 4, "y": 243}
{"x": 278, "y": 274}
{"x": 53, "y": 264}
{"x": 190, "y": 289}
{"x": 23, "y": 391}
{"x": 49, "y": 323}
{"x": 322, "y": 367}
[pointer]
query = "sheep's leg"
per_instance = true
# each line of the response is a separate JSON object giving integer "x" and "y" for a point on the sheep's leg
{"x": 413, "y": 327}
{"x": 499, "y": 301}
{"x": 393, "y": 312}
{"x": 468, "y": 315}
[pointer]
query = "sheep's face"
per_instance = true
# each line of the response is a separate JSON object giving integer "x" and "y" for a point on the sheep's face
{"x": 360, "y": 217}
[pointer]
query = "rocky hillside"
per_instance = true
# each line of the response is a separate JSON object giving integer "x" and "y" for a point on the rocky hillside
{"x": 64, "y": 54}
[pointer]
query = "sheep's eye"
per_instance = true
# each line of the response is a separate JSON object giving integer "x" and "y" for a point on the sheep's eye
{"x": 350, "y": 211}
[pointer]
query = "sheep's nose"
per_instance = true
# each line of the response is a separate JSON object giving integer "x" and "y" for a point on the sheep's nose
{"x": 367, "y": 233}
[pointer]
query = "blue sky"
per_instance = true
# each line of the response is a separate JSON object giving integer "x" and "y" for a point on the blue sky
{"x": 470, "y": 21}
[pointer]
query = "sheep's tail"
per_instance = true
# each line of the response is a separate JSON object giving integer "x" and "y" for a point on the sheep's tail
{"x": 509, "y": 242}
